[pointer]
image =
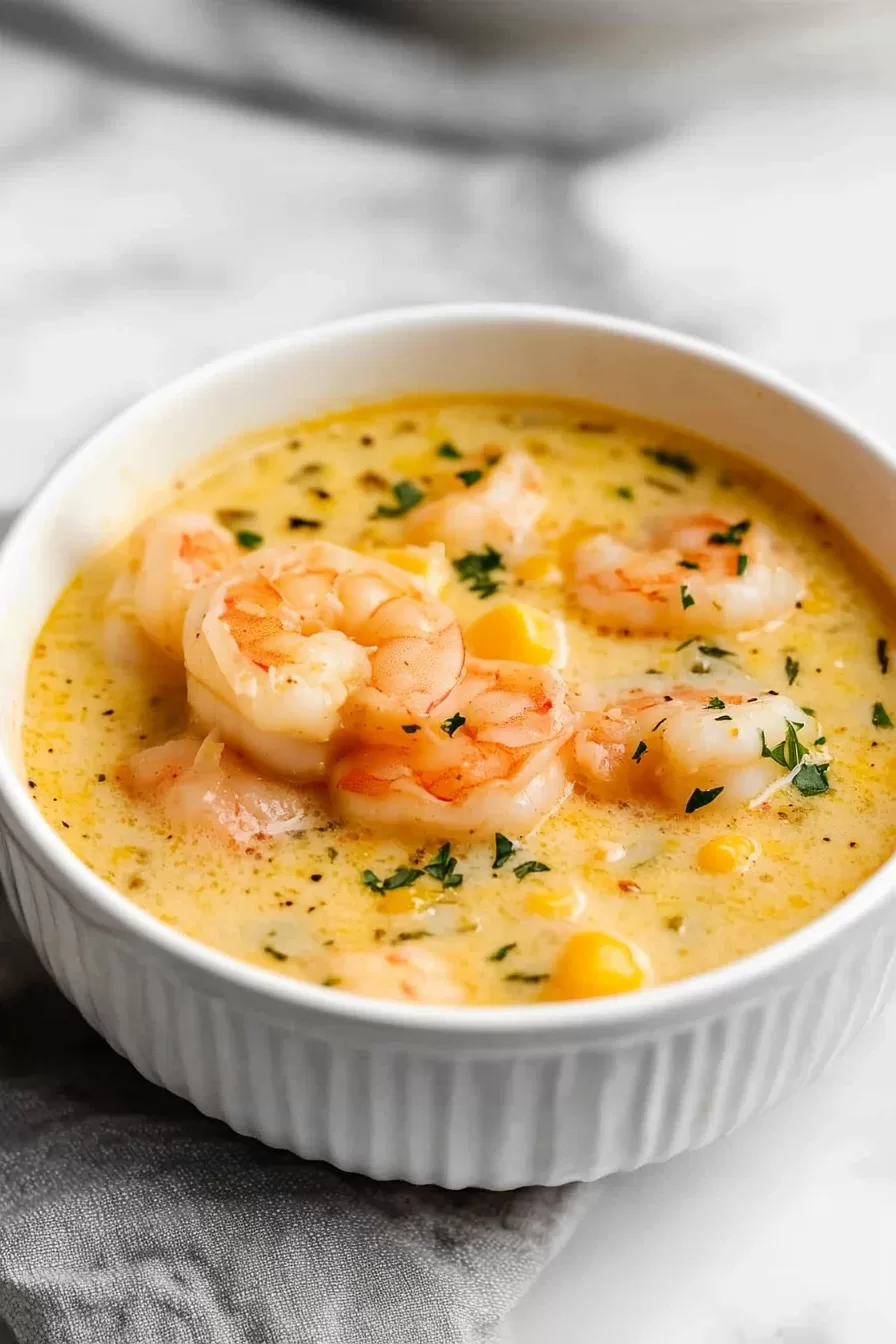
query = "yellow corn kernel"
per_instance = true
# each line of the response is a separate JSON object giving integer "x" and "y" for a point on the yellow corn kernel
{"x": 428, "y": 563}
{"x": 402, "y": 901}
{"x": 572, "y": 537}
{"x": 541, "y": 566}
{"x": 515, "y": 631}
{"x": 727, "y": 853}
{"x": 418, "y": 464}
{"x": 555, "y": 904}
{"x": 818, "y": 600}
{"x": 593, "y": 964}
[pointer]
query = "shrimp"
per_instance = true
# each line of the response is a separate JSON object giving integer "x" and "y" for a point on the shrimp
{"x": 492, "y": 764}
{"x": 276, "y": 648}
{"x": 414, "y": 974}
{"x": 702, "y": 573}
{"x": 202, "y": 787}
{"x": 181, "y": 551}
{"x": 670, "y": 740}
{"x": 500, "y": 510}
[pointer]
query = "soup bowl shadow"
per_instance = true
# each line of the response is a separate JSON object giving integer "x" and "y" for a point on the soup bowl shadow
{"x": 495, "y": 1097}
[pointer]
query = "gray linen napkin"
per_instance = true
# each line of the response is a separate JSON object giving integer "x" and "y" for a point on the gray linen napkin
{"x": 126, "y": 1217}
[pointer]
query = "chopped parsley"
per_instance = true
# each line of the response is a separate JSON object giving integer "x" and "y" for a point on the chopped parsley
{"x": 447, "y": 450}
{"x": 501, "y": 952}
{"x": 879, "y": 716}
{"x": 742, "y": 562}
{"x": 503, "y": 850}
{"x": 788, "y": 753}
{"x": 819, "y": 742}
{"x": 411, "y": 936}
{"x": 407, "y": 496}
{"x": 229, "y": 517}
{"x": 715, "y": 703}
{"x": 469, "y": 477}
{"x": 685, "y": 643}
{"x": 811, "y": 779}
{"x": 639, "y": 752}
{"x": 688, "y": 564}
{"x": 530, "y": 866}
{"x": 402, "y": 877}
{"x": 527, "y": 977}
{"x": 331, "y": 981}
{"x": 312, "y": 523}
{"x": 250, "y": 541}
{"x": 792, "y": 668}
{"x": 713, "y": 651}
{"x": 723, "y": 718}
{"x": 442, "y": 867}
{"x": 625, "y": 492}
{"x": 450, "y": 726}
{"x": 410, "y": 727}
{"x": 883, "y": 656}
{"x": 702, "y": 798}
{"x": 657, "y": 725}
{"x": 733, "y": 536}
{"x": 664, "y": 457}
{"x": 686, "y": 599}
{"x": 477, "y": 568}
{"x": 274, "y": 952}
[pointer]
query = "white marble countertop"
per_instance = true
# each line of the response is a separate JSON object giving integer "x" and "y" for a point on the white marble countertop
{"x": 143, "y": 230}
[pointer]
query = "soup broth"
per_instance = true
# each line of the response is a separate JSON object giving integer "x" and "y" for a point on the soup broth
{"x": 632, "y": 849}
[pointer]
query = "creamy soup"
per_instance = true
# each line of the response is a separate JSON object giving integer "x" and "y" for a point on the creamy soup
{"x": 486, "y": 701}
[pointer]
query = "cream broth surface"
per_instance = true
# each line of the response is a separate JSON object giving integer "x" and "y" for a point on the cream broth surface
{"x": 631, "y": 867}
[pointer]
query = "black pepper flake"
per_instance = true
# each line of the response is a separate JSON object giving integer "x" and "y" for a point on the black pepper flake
{"x": 101, "y": 779}
{"x": 32, "y": 785}
{"x": 107, "y": 712}
{"x": 367, "y": 440}
{"x": 295, "y": 523}
{"x": 320, "y": 493}
{"x": 316, "y": 877}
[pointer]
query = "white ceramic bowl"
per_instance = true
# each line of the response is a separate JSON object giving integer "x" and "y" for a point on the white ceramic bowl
{"x": 495, "y": 1097}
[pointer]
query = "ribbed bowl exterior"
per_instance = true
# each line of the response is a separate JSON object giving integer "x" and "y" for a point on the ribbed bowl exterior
{"x": 451, "y": 1111}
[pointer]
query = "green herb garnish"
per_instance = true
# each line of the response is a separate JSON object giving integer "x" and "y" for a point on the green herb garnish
{"x": 639, "y": 752}
{"x": 476, "y": 569}
{"x": 792, "y": 669}
{"x": 469, "y": 477}
{"x": 715, "y": 703}
{"x": 811, "y": 779}
{"x": 402, "y": 877}
{"x": 274, "y": 952}
{"x": 530, "y": 866}
{"x": 447, "y": 450}
{"x": 702, "y": 798}
{"x": 657, "y": 725}
{"x": 442, "y": 868}
{"x": 331, "y": 981}
{"x": 734, "y": 535}
{"x": 527, "y": 978}
{"x": 625, "y": 492}
{"x": 686, "y": 642}
{"x": 688, "y": 564}
{"x": 411, "y": 935}
{"x": 879, "y": 716}
{"x": 503, "y": 850}
{"x": 410, "y": 727}
{"x": 713, "y": 651}
{"x": 723, "y": 718}
{"x": 686, "y": 599}
{"x": 742, "y": 562}
{"x": 883, "y": 656}
{"x": 450, "y": 726}
{"x": 674, "y": 461}
{"x": 788, "y": 753}
{"x": 501, "y": 952}
{"x": 407, "y": 496}
{"x": 310, "y": 523}
{"x": 250, "y": 541}
{"x": 819, "y": 742}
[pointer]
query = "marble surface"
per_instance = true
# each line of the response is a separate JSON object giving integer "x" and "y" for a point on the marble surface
{"x": 148, "y": 223}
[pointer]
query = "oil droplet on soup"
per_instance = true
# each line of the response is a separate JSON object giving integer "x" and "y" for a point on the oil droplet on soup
{"x": 722, "y": 756}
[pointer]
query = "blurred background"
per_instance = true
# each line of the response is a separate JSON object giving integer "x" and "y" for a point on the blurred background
{"x": 182, "y": 177}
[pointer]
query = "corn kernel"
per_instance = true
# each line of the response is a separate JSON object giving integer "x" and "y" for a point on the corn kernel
{"x": 402, "y": 901}
{"x": 555, "y": 904}
{"x": 417, "y": 464}
{"x": 591, "y": 965}
{"x": 428, "y": 563}
{"x": 727, "y": 854}
{"x": 818, "y": 600}
{"x": 542, "y": 566}
{"x": 513, "y": 630}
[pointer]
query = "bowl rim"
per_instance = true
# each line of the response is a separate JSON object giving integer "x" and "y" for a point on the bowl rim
{"x": 744, "y": 979}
